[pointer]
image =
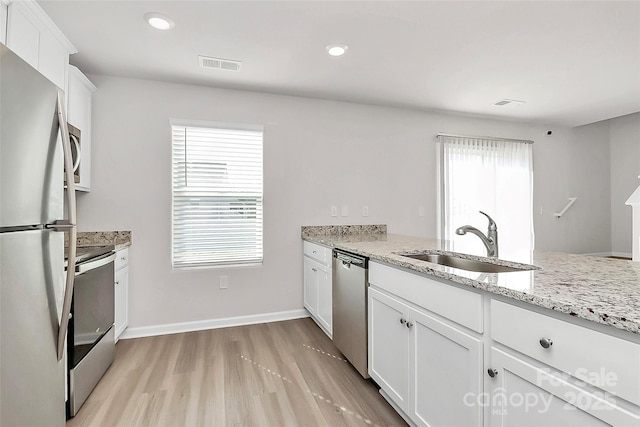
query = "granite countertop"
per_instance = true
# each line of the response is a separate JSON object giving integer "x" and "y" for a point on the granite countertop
{"x": 601, "y": 290}
{"x": 119, "y": 239}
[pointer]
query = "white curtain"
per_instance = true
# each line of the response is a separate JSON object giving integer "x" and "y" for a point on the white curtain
{"x": 493, "y": 176}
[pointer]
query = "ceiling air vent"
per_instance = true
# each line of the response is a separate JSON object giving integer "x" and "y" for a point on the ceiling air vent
{"x": 507, "y": 102}
{"x": 219, "y": 63}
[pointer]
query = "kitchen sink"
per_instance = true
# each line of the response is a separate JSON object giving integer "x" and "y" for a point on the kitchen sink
{"x": 468, "y": 264}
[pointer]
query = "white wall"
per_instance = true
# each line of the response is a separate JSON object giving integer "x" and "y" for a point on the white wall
{"x": 573, "y": 163}
{"x": 316, "y": 154}
{"x": 624, "y": 137}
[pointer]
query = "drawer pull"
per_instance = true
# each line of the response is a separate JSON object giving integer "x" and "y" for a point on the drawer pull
{"x": 492, "y": 372}
{"x": 403, "y": 321}
{"x": 546, "y": 342}
{"x": 409, "y": 325}
{"x": 314, "y": 270}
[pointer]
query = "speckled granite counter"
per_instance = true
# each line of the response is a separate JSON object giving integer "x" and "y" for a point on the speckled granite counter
{"x": 601, "y": 290}
{"x": 120, "y": 239}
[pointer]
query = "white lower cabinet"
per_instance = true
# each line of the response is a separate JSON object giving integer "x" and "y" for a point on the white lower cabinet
{"x": 318, "y": 289}
{"x": 121, "y": 290}
{"x": 389, "y": 347}
{"x": 425, "y": 367}
{"x": 524, "y": 394}
{"x": 515, "y": 365}
{"x": 446, "y": 369}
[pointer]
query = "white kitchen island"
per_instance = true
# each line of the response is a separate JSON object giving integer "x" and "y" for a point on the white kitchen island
{"x": 555, "y": 346}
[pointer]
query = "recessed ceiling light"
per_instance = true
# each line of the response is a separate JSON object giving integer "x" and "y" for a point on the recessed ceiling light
{"x": 159, "y": 21}
{"x": 337, "y": 49}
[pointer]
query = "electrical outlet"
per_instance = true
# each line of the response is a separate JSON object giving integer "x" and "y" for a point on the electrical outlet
{"x": 344, "y": 211}
{"x": 365, "y": 211}
{"x": 334, "y": 211}
{"x": 224, "y": 282}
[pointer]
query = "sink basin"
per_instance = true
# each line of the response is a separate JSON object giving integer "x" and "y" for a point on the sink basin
{"x": 468, "y": 264}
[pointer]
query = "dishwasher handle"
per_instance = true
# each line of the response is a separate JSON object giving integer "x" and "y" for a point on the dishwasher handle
{"x": 350, "y": 260}
{"x": 95, "y": 263}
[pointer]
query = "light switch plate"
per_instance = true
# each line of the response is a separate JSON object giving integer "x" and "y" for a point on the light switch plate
{"x": 334, "y": 211}
{"x": 344, "y": 211}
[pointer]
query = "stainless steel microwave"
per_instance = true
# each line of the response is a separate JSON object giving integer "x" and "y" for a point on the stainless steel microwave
{"x": 76, "y": 151}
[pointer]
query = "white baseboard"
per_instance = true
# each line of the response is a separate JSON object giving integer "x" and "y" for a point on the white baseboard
{"x": 622, "y": 254}
{"x": 616, "y": 254}
{"x": 200, "y": 325}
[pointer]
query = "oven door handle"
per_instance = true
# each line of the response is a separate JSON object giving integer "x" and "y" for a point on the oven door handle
{"x": 95, "y": 263}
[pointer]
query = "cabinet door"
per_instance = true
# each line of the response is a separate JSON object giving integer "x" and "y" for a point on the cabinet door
{"x": 3, "y": 23}
{"x": 121, "y": 315}
{"x": 310, "y": 286}
{"x": 389, "y": 346}
{"x": 523, "y": 395}
{"x": 325, "y": 303}
{"x": 79, "y": 97}
{"x": 23, "y": 36}
{"x": 446, "y": 367}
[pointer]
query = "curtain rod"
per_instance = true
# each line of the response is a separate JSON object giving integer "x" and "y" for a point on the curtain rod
{"x": 526, "y": 141}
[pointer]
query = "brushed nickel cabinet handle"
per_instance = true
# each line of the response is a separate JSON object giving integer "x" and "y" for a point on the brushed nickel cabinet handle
{"x": 492, "y": 372}
{"x": 546, "y": 342}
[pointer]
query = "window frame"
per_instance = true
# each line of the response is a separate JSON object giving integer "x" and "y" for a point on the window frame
{"x": 441, "y": 192}
{"x": 212, "y": 263}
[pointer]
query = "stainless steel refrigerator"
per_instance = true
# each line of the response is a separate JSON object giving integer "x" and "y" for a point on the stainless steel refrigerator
{"x": 35, "y": 290}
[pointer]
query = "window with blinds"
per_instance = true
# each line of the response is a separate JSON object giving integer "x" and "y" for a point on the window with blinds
{"x": 492, "y": 175}
{"x": 217, "y": 195}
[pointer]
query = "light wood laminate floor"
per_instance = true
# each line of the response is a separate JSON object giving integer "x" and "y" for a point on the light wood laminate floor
{"x": 274, "y": 374}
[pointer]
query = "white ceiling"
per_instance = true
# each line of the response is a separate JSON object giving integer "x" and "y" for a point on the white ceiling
{"x": 573, "y": 62}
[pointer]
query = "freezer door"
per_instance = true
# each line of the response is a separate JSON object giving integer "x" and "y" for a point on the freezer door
{"x": 31, "y": 281}
{"x": 31, "y": 159}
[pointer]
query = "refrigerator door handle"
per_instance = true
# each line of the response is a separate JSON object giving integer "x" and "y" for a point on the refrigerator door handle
{"x": 67, "y": 225}
{"x": 61, "y": 225}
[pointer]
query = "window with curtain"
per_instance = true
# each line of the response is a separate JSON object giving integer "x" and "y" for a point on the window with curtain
{"x": 490, "y": 175}
{"x": 217, "y": 195}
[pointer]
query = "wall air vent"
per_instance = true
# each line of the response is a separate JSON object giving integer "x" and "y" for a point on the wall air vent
{"x": 508, "y": 101}
{"x": 218, "y": 63}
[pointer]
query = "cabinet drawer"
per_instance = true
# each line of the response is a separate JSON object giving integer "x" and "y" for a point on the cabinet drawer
{"x": 320, "y": 253}
{"x": 604, "y": 361}
{"x": 122, "y": 259}
{"x": 455, "y": 304}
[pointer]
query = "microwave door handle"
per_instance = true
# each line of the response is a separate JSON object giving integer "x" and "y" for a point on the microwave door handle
{"x": 76, "y": 144}
{"x": 71, "y": 222}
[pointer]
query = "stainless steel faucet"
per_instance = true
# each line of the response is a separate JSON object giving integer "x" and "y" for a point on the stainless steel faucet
{"x": 490, "y": 240}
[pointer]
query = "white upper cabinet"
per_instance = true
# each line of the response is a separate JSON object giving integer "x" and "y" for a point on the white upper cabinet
{"x": 79, "y": 115}
{"x": 32, "y": 35}
{"x": 3, "y": 22}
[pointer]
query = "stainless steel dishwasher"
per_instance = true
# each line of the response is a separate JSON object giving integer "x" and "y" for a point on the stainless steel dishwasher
{"x": 350, "y": 283}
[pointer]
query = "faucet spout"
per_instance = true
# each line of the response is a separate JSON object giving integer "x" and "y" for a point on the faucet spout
{"x": 490, "y": 240}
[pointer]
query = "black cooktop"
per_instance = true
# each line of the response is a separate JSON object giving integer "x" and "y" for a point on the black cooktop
{"x": 85, "y": 253}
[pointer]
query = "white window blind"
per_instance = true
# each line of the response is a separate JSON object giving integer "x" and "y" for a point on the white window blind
{"x": 217, "y": 196}
{"x": 493, "y": 176}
